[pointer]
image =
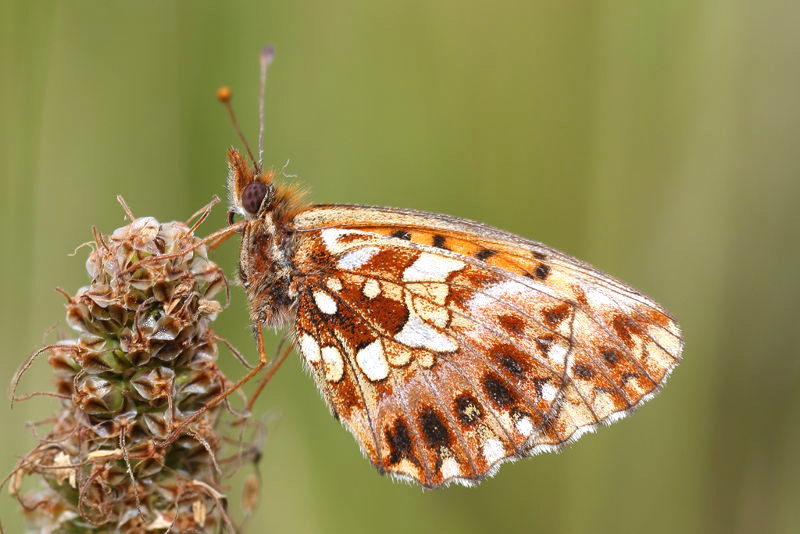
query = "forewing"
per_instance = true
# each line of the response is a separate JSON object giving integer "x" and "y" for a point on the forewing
{"x": 447, "y": 347}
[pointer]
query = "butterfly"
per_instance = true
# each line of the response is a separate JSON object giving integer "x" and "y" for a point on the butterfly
{"x": 445, "y": 346}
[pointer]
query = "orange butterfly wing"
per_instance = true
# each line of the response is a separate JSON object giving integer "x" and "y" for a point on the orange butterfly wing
{"x": 447, "y": 346}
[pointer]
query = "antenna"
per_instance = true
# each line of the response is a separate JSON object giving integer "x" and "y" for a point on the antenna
{"x": 224, "y": 95}
{"x": 267, "y": 55}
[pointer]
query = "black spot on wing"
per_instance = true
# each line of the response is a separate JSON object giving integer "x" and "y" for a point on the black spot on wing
{"x": 557, "y": 314}
{"x": 538, "y": 385}
{"x": 628, "y": 376}
{"x": 544, "y": 342}
{"x": 510, "y": 358}
{"x": 542, "y": 271}
{"x": 485, "y": 253}
{"x": 467, "y": 409}
{"x": 610, "y": 356}
{"x": 434, "y": 430}
{"x": 497, "y": 391}
{"x": 400, "y": 444}
{"x": 583, "y": 371}
{"x": 511, "y": 365}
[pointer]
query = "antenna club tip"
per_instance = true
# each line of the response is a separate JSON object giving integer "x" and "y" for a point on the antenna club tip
{"x": 268, "y": 53}
{"x": 224, "y": 94}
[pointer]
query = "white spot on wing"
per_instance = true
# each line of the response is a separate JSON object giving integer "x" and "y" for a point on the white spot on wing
{"x": 431, "y": 268}
{"x": 372, "y": 288}
{"x": 509, "y": 291}
{"x": 325, "y": 302}
{"x": 493, "y": 450}
{"x": 558, "y": 352}
{"x": 373, "y": 362}
{"x": 356, "y": 258}
{"x": 417, "y": 333}
{"x": 334, "y": 284}
{"x": 598, "y": 299}
{"x": 332, "y": 238}
{"x": 549, "y": 392}
{"x": 436, "y": 315}
{"x": 490, "y": 296}
{"x": 334, "y": 364}
{"x": 524, "y": 426}
{"x": 309, "y": 347}
{"x": 399, "y": 355}
{"x": 450, "y": 468}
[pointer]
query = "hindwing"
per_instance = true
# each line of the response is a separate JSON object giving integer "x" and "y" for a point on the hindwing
{"x": 447, "y": 346}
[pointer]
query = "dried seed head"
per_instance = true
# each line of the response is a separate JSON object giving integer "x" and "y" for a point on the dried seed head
{"x": 143, "y": 361}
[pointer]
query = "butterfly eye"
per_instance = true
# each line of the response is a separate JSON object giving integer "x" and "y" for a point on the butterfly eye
{"x": 252, "y": 196}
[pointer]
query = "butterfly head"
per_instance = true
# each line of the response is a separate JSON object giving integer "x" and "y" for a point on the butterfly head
{"x": 251, "y": 190}
{"x": 255, "y": 193}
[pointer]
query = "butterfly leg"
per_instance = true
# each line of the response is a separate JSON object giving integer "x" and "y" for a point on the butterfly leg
{"x": 213, "y": 245}
{"x": 202, "y": 214}
{"x": 262, "y": 361}
{"x": 268, "y": 376}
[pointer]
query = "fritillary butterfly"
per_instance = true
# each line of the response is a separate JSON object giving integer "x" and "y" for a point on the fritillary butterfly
{"x": 444, "y": 345}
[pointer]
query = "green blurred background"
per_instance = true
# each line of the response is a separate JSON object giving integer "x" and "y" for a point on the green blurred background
{"x": 657, "y": 140}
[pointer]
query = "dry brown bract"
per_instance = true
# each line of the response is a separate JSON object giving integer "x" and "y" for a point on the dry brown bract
{"x": 144, "y": 361}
